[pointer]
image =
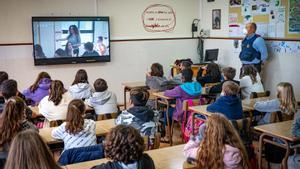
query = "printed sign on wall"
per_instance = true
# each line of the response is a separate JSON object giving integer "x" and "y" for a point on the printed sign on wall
{"x": 159, "y": 18}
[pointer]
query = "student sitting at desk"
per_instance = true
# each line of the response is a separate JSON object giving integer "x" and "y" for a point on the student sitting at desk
{"x": 89, "y": 50}
{"x": 54, "y": 107}
{"x": 213, "y": 74}
{"x": 220, "y": 148}
{"x": 125, "y": 146}
{"x": 187, "y": 90}
{"x": 250, "y": 81}
{"x": 103, "y": 100}
{"x": 12, "y": 121}
{"x": 139, "y": 115}
{"x": 285, "y": 103}
{"x": 29, "y": 151}
{"x": 155, "y": 79}
{"x": 9, "y": 89}
{"x": 80, "y": 89}
{"x": 183, "y": 65}
{"x": 229, "y": 103}
{"x": 39, "y": 89}
{"x": 76, "y": 131}
{"x": 228, "y": 74}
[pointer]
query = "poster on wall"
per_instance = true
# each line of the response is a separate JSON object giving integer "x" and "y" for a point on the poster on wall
{"x": 159, "y": 18}
{"x": 294, "y": 15}
{"x": 216, "y": 19}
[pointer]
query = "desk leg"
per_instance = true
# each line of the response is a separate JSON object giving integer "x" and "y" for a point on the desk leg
{"x": 285, "y": 159}
{"x": 125, "y": 105}
{"x": 193, "y": 123}
{"x": 168, "y": 123}
{"x": 260, "y": 151}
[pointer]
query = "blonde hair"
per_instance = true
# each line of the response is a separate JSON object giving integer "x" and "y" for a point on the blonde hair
{"x": 219, "y": 132}
{"x": 230, "y": 88}
{"x": 286, "y": 96}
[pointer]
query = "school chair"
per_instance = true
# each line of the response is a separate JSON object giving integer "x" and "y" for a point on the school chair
{"x": 210, "y": 84}
{"x": 187, "y": 165}
{"x": 56, "y": 123}
{"x": 156, "y": 142}
{"x": 261, "y": 94}
{"x": 107, "y": 116}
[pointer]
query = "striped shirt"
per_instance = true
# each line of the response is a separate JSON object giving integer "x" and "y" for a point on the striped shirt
{"x": 86, "y": 137}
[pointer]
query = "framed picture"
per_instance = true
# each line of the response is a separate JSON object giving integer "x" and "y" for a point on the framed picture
{"x": 216, "y": 19}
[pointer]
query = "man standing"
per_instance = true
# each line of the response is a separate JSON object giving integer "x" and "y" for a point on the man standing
{"x": 254, "y": 51}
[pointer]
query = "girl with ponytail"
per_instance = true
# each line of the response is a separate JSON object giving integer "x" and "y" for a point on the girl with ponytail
{"x": 12, "y": 121}
{"x": 54, "y": 107}
{"x": 76, "y": 131}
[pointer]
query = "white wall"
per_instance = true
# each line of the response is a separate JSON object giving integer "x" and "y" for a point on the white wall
{"x": 279, "y": 67}
{"x": 130, "y": 60}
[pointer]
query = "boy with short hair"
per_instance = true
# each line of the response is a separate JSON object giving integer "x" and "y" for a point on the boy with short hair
{"x": 89, "y": 50}
{"x": 229, "y": 103}
{"x": 139, "y": 115}
{"x": 9, "y": 88}
{"x": 228, "y": 74}
{"x": 102, "y": 100}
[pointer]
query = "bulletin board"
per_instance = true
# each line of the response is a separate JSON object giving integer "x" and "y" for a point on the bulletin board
{"x": 274, "y": 18}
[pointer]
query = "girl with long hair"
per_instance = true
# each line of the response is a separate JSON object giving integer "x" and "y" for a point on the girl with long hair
{"x": 29, "y": 151}
{"x": 76, "y": 131}
{"x": 220, "y": 148}
{"x": 73, "y": 38}
{"x": 12, "y": 121}
{"x": 69, "y": 49}
{"x": 54, "y": 107}
{"x": 285, "y": 103}
{"x": 81, "y": 89}
{"x": 39, "y": 89}
{"x": 250, "y": 81}
{"x": 213, "y": 74}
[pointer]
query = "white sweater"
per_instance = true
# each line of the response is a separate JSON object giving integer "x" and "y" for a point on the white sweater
{"x": 103, "y": 102}
{"x": 86, "y": 137}
{"x": 247, "y": 87}
{"x": 55, "y": 112}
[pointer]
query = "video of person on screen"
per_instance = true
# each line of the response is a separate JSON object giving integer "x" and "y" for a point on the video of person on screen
{"x": 64, "y": 39}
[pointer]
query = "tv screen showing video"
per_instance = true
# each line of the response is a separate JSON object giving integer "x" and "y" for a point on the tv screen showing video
{"x": 69, "y": 40}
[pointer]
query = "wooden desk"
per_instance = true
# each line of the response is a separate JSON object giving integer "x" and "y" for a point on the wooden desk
{"x": 249, "y": 103}
{"x": 164, "y": 158}
{"x": 131, "y": 85}
{"x": 102, "y": 128}
{"x": 202, "y": 109}
{"x": 280, "y": 130}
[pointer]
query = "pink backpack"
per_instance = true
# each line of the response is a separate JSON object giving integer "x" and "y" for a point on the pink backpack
{"x": 187, "y": 126}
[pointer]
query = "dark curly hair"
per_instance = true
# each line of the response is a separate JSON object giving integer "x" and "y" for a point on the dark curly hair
{"x": 124, "y": 144}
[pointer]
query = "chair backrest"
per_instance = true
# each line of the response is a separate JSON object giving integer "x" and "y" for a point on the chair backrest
{"x": 261, "y": 94}
{"x": 56, "y": 123}
{"x": 243, "y": 128}
{"x": 195, "y": 102}
{"x": 210, "y": 84}
{"x": 156, "y": 141}
{"x": 187, "y": 165}
{"x": 279, "y": 117}
{"x": 107, "y": 116}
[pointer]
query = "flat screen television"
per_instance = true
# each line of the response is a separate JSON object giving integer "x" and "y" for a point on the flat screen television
{"x": 70, "y": 40}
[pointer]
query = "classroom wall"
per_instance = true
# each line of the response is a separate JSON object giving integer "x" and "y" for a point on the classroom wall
{"x": 129, "y": 60}
{"x": 279, "y": 67}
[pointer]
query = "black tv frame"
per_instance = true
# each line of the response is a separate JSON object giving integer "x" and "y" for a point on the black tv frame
{"x": 73, "y": 60}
